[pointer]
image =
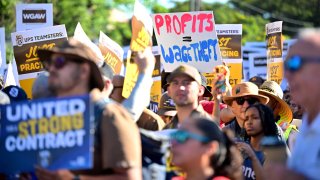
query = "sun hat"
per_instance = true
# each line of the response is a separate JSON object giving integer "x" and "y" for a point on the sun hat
{"x": 274, "y": 91}
{"x": 243, "y": 90}
{"x": 75, "y": 48}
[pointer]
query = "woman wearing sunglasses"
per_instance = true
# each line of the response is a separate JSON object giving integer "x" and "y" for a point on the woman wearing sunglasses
{"x": 259, "y": 123}
{"x": 203, "y": 151}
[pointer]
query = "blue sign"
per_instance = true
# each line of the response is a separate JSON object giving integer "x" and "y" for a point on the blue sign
{"x": 51, "y": 133}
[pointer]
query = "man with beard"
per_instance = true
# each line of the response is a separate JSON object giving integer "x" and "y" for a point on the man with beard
{"x": 185, "y": 89}
{"x": 73, "y": 70}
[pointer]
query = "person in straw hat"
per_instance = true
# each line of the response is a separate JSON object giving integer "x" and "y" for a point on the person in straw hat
{"x": 281, "y": 110}
{"x": 242, "y": 95}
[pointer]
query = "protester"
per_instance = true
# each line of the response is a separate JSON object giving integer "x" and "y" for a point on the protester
{"x": 203, "y": 151}
{"x": 73, "y": 71}
{"x": 257, "y": 80}
{"x": 302, "y": 66}
{"x": 259, "y": 123}
{"x": 281, "y": 110}
{"x": 242, "y": 96}
{"x": 136, "y": 103}
{"x": 40, "y": 87}
{"x": 167, "y": 108}
{"x": 15, "y": 93}
{"x": 296, "y": 109}
{"x": 185, "y": 89}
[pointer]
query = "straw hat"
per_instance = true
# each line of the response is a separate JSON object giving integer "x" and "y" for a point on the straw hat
{"x": 274, "y": 91}
{"x": 247, "y": 89}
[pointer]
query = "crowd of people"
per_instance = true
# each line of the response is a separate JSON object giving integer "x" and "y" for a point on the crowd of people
{"x": 212, "y": 134}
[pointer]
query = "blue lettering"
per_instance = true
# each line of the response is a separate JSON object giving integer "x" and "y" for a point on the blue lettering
{"x": 195, "y": 50}
{"x": 177, "y": 55}
{"x": 213, "y": 43}
{"x": 202, "y": 51}
{"x": 167, "y": 58}
{"x": 185, "y": 54}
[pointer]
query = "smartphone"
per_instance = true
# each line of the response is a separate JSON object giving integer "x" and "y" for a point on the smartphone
{"x": 275, "y": 150}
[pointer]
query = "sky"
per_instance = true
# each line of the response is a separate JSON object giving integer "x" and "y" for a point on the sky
{"x": 168, "y": 4}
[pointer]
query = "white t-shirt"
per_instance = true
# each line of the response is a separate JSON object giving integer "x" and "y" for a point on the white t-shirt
{"x": 305, "y": 157}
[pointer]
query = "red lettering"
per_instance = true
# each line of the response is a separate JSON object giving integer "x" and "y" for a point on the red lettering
{"x": 176, "y": 23}
{"x": 209, "y": 27}
{"x": 185, "y": 18}
{"x": 201, "y": 17}
{"x": 168, "y": 23}
{"x": 194, "y": 23}
{"x": 159, "y": 22}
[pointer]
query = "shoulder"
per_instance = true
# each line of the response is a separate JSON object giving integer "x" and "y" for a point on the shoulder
{"x": 150, "y": 120}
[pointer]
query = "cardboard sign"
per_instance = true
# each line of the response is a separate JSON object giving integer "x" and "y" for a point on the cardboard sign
{"x": 51, "y": 133}
{"x": 274, "y": 51}
{"x": 230, "y": 36}
{"x": 141, "y": 39}
{"x": 187, "y": 37}
{"x": 25, "y": 45}
{"x": 155, "y": 93}
{"x": 3, "y": 63}
{"x": 112, "y": 52}
{"x": 81, "y": 36}
{"x": 32, "y": 16}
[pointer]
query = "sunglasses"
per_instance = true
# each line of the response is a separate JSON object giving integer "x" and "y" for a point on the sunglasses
{"x": 58, "y": 62}
{"x": 182, "y": 136}
{"x": 241, "y": 100}
{"x": 295, "y": 63}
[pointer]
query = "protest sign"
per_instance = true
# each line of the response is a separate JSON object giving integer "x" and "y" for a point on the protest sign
{"x": 155, "y": 92}
{"x": 11, "y": 76}
{"x": 274, "y": 51}
{"x": 81, "y": 36}
{"x": 187, "y": 37}
{"x": 32, "y": 16}
{"x": 141, "y": 39}
{"x": 25, "y": 46}
{"x": 51, "y": 133}
{"x": 230, "y": 36}
{"x": 3, "y": 63}
{"x": 112, "y": 52}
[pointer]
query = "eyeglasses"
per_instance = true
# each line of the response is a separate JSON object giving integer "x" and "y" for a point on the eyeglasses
{"x": 182, "y": 136}
{"x": 58, "y": 62}
{"x": 241, "y": 100}
{"x": 295, "y": 63}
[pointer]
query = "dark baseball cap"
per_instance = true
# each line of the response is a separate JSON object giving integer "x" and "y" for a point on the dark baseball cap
{"x": 15, "y": 93}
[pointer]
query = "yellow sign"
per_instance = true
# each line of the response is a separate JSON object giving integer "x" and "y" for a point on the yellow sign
{"x": 235, "y": 73}
{"x": 155, "y": 93}
{"x": 141, "y": 39}
{"x": 26, "y": 85}
{"x": 275, "y": 71}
